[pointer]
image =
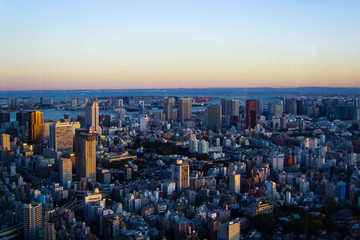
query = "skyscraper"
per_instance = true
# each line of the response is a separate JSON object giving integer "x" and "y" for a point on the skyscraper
{"x": 230, "y": 107}
{"x": 32, "y": 220}
{"x": 185, "y": 109}
{"x": 180, "y": 175}
{"x": 234, "y": 183}
{"x": 36, "y": 124}
{"x": 144, "y": 122}
{"x": 4, "y": 116}
{"x": 5, "y": 146}
{"x": 61, "y": 137}
{"x": 251, "y": 113}
{"x": 65, "y": 171}
{"x": 85, "y": 156}
{"x": 92, "y": 117}
{"x": 168, "y": 108}
{"x": 213, "y": 116}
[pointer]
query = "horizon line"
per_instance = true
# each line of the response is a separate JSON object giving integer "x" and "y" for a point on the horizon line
{"x": 127, "y": 89}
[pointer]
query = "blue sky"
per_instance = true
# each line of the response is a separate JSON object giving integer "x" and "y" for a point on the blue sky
{"x": 144, "y": 44}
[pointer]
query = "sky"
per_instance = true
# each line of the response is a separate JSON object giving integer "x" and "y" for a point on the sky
{"x": 86, "y": 44}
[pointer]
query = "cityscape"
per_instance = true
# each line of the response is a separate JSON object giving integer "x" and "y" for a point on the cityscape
{"x": 181, "y": 167}
{"x": 161, "y": 120}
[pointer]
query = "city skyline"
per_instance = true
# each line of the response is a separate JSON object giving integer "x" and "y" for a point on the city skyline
{"x": 158, "y": 44}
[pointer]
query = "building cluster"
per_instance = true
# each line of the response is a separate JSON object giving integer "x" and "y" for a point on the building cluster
{"x": 182, "y": 168}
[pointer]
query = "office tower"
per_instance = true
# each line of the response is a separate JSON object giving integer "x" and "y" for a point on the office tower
{"x": 5, "y": 142}
{"x": 278, "y": 162}
{"x": 278, "y": 109}
{"x": 22, "y": 117}
{"x": 121, "y": 114}
{"x": 144, "y": 121}
{"x": 180, "y": 175}
{"x": 32, "y": 220}
{"x": 260, "y": 106}
{"x": 168, "y": 108}
{"x": 271, "y": 188}
{"x": 4, "y": 117}
{"x": 65, "y": 171}
{"x": 234, "y": 183}
{"x": 14, "y": 103}
{"x": 193, "y": 145}
{"x": 251, "y": 113}
{"x": 213, "y": 116}
{"x": 46, "y": 130}
{"x": 5, "y": 146}
{"x": 61, "y": 137}
{"x": 230, "y": 107}
{"x": 283, "y": 122}
{"x": 141, "y": 107}
{"x": 230, "y": 230}
{"x": 185, "y": 109}
{"x": 291, "y": 106}
{"x": 92, "y": 118}
{"x": 36, "y": 124}
{"x": 158, "y": 117}
{"x": 85, "y": 155}
{"x": 203, "y": 147}
{"x": 49, "y": 231}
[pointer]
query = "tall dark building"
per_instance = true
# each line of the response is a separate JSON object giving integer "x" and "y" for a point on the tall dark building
{"x": 4, "y": 116}
{"x": 85, "y": 155}
{"x": 22, "y": 118}
{"x": 36, "y": 125}
{"x": 251, "y": 113}
{"x": 213, "y": 116}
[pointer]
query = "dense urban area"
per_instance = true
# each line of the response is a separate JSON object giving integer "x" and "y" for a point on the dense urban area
{"x": 180, "y": 168}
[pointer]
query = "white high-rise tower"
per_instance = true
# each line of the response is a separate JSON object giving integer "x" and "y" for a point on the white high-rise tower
{"x": 92, "y": 118}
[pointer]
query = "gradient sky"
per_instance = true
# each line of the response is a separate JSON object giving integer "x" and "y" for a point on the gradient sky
{"x": 85, "y": 44}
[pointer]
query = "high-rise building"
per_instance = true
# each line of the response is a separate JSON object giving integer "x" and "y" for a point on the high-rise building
{"x": 4, "y": 116}
{"x": 234, "y": 183}
{"x": 92, "y": 118}
{"x": 203, "y": 147}
{"x": 158, "y": 117}
{"x": 180, "y": 175}
{"x": 291, "y": 106}
{"x": 230, "y": 230}
{"x": 65, "y": 171}
{"x": 251, "y": 113}
{"x": 32, "y": 220}
{"x": 121, "y": 114}
{"x": 230, "y": 107}
{"x": 185, "y": 109}
{"x": 144, "y": 121}
{"x": 61, "y": 137}
{"x": 14, "y": 103}
{"x": 49, "y": 231}
{"x": 213, "y": 116}
{"x": 85, "y": 155}
{"x": 36, "y": 124}
{"x": 5, "y": 142}
{"x": 22, "y": 117}
{"x": 5, "y": 146}
{"x": 193, "y": 145}
{"x": 278, "y": 162}
{"x": 168, "y": 108}
{"x": 142, "y": 107}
